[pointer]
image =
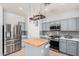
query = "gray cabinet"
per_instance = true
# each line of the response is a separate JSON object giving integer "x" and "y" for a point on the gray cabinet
{"x": 71, "y": 47}
{"x": 77, "y": 19}
{"x": 64, "y": 25}
{"x": 47, "y": 26}
{"x": 72, "y": 24}
{"x": 43, "y": 26}
{"x": 62, "y": 45}
{"x": 77, "y": 48}
{"x": 42, "y": 50}
{"x": 68, "y": 24}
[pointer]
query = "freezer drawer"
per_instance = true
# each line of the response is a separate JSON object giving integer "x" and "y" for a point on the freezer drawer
{"x": 8, "y": 49}
{"x": 17, "y": 47}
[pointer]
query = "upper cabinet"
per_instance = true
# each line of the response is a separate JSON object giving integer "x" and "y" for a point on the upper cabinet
{"x": 64, "y": 25}
{"x": 72, "y": 24}
{"x": 47, "y": 26}
{"x": 77, "y": 19}
{"x": 43, "y": 26}
{"x": 69, "y": 25}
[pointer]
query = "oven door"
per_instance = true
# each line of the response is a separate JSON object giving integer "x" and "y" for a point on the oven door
{"x": 54, "y": 44}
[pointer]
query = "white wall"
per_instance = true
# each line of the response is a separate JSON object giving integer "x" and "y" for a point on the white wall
{"x": 1, "y": 23}
{"x": 33, "y": 30}
{"x": 11, "y": 18}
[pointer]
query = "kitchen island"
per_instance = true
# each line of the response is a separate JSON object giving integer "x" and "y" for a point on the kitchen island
{"x": 37, "y": 47}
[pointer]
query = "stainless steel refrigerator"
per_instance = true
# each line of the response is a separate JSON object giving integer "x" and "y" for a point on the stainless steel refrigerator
{"x": 11, "y": 39}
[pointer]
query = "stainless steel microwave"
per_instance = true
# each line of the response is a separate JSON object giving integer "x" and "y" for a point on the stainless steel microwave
{"x": 55, "y": 27}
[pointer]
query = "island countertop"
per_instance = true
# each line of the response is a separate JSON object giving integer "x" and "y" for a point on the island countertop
{"x": 36, "y": 42}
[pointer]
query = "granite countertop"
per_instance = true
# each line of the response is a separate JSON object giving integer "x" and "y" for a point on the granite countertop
{"x": 36, "y": 42}
{"x": 74, "y": 39}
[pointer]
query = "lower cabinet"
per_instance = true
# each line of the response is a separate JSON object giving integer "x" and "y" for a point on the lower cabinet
{"x": 71, "y": 47}
{"x": 62, "y": 46}
{"x": 77, "y": 48}
{"x": 68, "y": 47}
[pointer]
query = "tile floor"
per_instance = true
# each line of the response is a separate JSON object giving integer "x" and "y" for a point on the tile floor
{"x": 51, "y": 53}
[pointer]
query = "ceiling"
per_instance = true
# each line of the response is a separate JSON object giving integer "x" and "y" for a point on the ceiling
{"x": 24, "y": 9}
{"x": 62, "y": 7}
{"x": 21, "y": 8}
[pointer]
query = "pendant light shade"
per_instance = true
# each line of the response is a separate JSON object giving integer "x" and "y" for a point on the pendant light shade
{"x": 37, "y": 17}
{"x": 39, "y": 14}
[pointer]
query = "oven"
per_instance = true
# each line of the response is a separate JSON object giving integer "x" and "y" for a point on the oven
{"x": 54, "y": 42}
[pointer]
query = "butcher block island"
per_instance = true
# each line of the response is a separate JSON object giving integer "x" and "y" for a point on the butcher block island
{"x": 36, "y": 47}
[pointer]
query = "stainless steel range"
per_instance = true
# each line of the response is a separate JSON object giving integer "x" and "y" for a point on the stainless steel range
{"x": 54, "y": 42}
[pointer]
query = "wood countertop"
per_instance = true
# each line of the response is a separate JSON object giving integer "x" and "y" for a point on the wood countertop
{"x": 36, "y": 42}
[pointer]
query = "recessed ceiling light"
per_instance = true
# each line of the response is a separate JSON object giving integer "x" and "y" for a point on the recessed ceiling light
{"x": 20, "y": 8}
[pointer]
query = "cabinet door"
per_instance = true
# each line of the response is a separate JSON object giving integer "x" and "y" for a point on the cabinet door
{"x": 71, "y": 47}
{"x": 43, "y": 26}
{"x": 77, "y": 48}
{"x": 62, "y": 45}
{"x": 72, "y": 24}
{"x": 47, "y": 26}
{"x": 64, "y": 25}
{"x": 77, "y": 21}
{"x": 40, "y": 25}
{"x": 68, "y": 25}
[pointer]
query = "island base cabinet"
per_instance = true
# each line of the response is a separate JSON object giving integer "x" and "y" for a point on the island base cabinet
{"x": 42, "y": 50}
{"x": 71, "y": 47}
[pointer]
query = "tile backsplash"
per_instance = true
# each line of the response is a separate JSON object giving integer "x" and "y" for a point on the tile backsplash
{"x": 61, "y": 33}
{"x": 72, "y": 33}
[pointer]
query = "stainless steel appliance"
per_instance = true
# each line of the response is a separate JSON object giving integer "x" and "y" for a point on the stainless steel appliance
{"x": 54, "y": 39}
{"x": 7, "y": 41}
{"x": 23, "y": 29}
{"x": 10, "y": 43}
{"x": 54, "y": 42}
{"x": 55, "y": 27}
{"x": 17, "y": 37}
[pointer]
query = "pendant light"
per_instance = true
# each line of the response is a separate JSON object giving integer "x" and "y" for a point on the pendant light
{"x": 38, "y": 16}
